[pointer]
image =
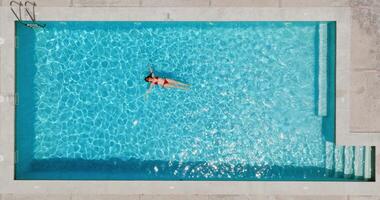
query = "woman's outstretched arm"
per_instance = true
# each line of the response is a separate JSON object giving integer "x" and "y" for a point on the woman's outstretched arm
{"x": 149, "y": 90}
{"x": 151, "y": 71}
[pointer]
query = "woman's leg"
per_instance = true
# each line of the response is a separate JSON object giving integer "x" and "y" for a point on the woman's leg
{"x": 170, "y": 85}
{"x": 177, "y": 82}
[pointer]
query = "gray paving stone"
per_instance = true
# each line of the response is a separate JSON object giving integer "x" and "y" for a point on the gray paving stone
{"x": 175, "y": 3}
{"x": 364, "y": 198}
{"x": 366, "y": 3}
{"x": 230, "y": 197}
{"x": 365, "y": 39}
{"x": 5, "y": 196}
{"x": 365, "y": 101}
{"x": 244, "y": 3}
{"x": 309, "y": 197}
{"x": 36, "y": 197}
{"x": 359, "y": 95}
{"x": 106, "y": 3}
{"x": 105, "y": 197}
{"x": 312, "y": 3}
{"x": 173, "y": 197}
{"x": 377, "y": 174}
{"x": 53, "y": 3}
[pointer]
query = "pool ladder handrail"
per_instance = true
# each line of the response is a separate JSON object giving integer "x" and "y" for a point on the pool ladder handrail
{"x": 32, "y": 16}
{"x": 19, "y": 3}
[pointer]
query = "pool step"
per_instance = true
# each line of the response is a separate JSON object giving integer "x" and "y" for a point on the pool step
{"x": 322, "y": 70}
{"x": 330, "y": 148}
{"x": 359, "y": 163}
{"x": 339, "y": 161}
{"x": 369, "y": 168}
{"x": 350, "y": 162}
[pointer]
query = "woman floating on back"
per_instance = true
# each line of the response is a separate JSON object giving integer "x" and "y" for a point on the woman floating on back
{"x": 163, "y": 82}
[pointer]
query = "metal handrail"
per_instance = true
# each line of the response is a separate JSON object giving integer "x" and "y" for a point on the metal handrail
{"x": 19, "y": 3}
{"x": 33, "y": 18}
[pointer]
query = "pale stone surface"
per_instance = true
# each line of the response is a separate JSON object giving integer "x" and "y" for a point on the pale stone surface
{"x": 105, "y": 197}
{"x": 236, "y": 3}
{"x": 370, "y": 3}
{"x": 3, "y": 196}
{"x": 4, "y": 158}
{"x": 175, "y": 3}
{"x": 173, "y": 197}
{"x": 105, "y": 3}
{"x": 365, "y": 61}
{"x": 178, "y": 197}
{"x": 235, "y": 197}
{"x": 359, "y": 109}
{"x": 308, "y": 3}
{"x": 364, "y": 198}
{"x": 308, "y": 198}
{"x": 35, "y": 197}
{"x": 365, "y": 101}
{"x": 53, "y": 3}
{"x": 366, "y": 38}
{"x": 377, "y": 173}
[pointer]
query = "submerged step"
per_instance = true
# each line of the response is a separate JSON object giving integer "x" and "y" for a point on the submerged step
{"x": 339, "y": 160}
{"x": 330, "y": 148}
{"x": 368, "y": 163}
{"x": 349, "y": 161}
{"x": 359, "y": 162}
{"x": 322, "y": 70}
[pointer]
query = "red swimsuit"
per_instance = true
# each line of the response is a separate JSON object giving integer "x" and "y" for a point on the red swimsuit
{"x": 156, "y": 81}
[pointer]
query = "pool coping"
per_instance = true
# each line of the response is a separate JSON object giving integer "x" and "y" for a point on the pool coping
{"x": 341, "y": 15}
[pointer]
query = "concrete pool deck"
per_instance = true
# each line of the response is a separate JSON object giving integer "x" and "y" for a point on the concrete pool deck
{"x": 358, "y": 91}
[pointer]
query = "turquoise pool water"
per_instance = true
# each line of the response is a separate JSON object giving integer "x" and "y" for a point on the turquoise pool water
{"x": 251, "y": 112}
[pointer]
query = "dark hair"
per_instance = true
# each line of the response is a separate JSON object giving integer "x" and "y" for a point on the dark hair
{"x": 149, "y": 76}
{"x": 146, "y": 78}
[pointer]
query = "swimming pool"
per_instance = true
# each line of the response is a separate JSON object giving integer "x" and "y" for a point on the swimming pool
{"x": 260, "y": 107}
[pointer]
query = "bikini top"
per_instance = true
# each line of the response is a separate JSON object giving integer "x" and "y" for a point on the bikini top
{"x": 156, "y": 79}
